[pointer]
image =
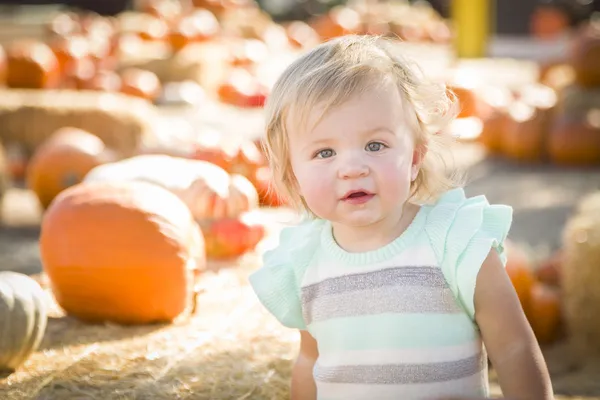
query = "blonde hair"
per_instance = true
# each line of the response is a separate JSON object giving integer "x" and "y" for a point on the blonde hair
{"x": 332, "y": 73}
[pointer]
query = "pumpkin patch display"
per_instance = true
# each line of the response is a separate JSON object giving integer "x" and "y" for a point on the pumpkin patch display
{"x": 135, "y": 260}
{"x": 63, "y": 161}
{"x": 23, "y": 318}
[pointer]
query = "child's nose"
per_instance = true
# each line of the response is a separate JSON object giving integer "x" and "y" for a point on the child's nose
{"x": 353, "y": 167}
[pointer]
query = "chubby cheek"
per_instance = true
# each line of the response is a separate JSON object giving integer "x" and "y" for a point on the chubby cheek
{"x": 394, "y": 179}
{"x": 317, "y": 186}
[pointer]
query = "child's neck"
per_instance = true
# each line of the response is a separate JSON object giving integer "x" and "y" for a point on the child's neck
{"x": 357, "y": 239}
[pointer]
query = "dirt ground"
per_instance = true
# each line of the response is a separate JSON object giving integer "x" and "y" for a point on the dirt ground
{"x": 542, "y": 197}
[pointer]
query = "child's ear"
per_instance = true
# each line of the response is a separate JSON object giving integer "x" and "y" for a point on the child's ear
{"x": 418, "y": 155}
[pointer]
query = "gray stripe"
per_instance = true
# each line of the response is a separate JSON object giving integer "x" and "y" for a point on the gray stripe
{"x": 391, "y": 299}
{"x": 401, "y": 373}
{"x": 396, "y": 276}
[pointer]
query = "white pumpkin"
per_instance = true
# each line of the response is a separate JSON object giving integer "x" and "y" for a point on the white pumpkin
{"x": 23, "y": 318}
{"x": 208, "y": 190}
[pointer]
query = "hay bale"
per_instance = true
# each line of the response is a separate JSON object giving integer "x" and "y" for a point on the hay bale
{"x": 581, "y": 277}
{"x": 29, "y": 117}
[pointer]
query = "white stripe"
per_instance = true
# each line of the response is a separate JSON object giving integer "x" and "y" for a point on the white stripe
{"x": 401, "y": 356}
{"x": 474, "y": 386}
{"x": 410, "y": 257}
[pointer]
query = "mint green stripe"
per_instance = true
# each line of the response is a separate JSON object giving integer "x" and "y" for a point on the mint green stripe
{"x": 393, "y": 331}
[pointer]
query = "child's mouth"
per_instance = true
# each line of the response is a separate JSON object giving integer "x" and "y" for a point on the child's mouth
{"x": 358, "y": 197}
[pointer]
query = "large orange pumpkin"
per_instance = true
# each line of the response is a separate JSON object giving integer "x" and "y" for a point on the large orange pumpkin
{"x": 62, "y": 161}
{"x": 124, "y": 252}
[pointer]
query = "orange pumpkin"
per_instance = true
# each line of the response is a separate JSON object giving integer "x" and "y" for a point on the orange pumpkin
{"x": 166, "y": 10}
{"x": 123, "y": 252}
{"x": 199, "y": 26}
{"x": 242, "y": 89}
{"x": 520, "y": 272}
{"x": 267, "y": 191}
{"x": 585, "y": 55}
{"x": 32, "y": 65}
{"x": 232, "y": 237}
{"x": 63, "y": 161}
{"x": 70, "y": 50}
{"x": 301, "y": 35}
{"x": 64, "y": 24}
{"x": 548, "y": 22}
{"x": 339, "y": 21}
{"x": 104, "y": 81}
{"x": 469, "y": 102}
{"x": 575, "y": 141}
{"x": 544, "y": 312}
{"x": 548, "y": 272}
{"x": 525, "y": 132}
{"x": 492, "y": 133}
{"x": 140, "y": 83}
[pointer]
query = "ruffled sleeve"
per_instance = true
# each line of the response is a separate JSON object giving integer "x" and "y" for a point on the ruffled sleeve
{"x": 277, "y": 282}
{"x": 463, "y": 231}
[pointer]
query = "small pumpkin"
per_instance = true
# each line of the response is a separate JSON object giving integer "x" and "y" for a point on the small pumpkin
{"x": 23, "y": 318}
{"x": 232, "y": 237}
{"x": 494, "y": 122}
{"x": 70, "y": 50}
{"x": 544, "y": 312}
{"x": 140, "y": 83}
{"x": 32, "y": 65}
{"x": 62, "y": 161}
{"x": 125, "y": 252}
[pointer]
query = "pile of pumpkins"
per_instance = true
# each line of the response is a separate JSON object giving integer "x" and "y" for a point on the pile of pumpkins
{"x": 125, "y": 240}
{"x": 86, "y": 51}
{"x": 556, "y": 119}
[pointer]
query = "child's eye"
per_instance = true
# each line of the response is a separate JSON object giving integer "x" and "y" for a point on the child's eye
{"x": 375, "y": 146}
{"x": 325, "y": 153}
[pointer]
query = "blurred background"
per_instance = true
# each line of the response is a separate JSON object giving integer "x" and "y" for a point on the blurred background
{"x": 112, "y": 90}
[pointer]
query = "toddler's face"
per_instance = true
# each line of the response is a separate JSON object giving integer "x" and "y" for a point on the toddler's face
{"x": 355, "y": 166}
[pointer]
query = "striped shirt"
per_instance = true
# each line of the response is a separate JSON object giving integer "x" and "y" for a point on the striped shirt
{"x": 396, "y": 322}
